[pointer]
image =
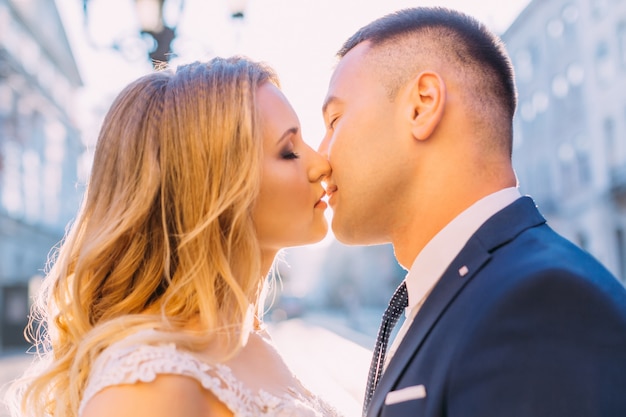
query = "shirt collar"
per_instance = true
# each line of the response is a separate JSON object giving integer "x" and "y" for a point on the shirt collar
{"x": 437, "y": 255}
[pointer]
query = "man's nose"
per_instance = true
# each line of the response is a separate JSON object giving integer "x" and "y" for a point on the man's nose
{"x": 319, "y": 168}
{"x": 324, "y": 148}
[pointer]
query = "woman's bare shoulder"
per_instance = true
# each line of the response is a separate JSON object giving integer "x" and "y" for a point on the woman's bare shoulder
{"x": 167, "y": 395}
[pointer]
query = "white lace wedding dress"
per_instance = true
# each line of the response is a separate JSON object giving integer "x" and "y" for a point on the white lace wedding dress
{"x": 239, "y": 383}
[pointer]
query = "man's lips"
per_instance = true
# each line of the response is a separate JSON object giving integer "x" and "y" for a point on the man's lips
{"x": 330, "y": 190}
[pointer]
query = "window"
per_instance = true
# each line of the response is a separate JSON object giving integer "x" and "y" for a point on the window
{"x": 567, "y": 168}
{"x": 575, "y": 74}
{"x": 603, "y": 63}
{"x": 583, "y": 157}
{"x": 560, "y": 86}
{"x": 608, "y": 129}
{"x": 570, "y": 13}
{"x": 599, "y": 8}
{"x": 12, "y": 198}
{"x": 555, "y": 28}
{"x": 621, "y": 43}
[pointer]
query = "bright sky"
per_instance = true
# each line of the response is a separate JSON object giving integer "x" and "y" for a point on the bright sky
{"x": 297, "y": 37}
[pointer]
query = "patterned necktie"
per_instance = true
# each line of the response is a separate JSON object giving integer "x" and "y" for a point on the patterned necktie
{"x": 397, "y": 305}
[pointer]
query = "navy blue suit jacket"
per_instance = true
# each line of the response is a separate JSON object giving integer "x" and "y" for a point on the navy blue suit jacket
{"x": 535, "y": 328}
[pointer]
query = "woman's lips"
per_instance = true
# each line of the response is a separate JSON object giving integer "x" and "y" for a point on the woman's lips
{"x": 321, "y": 203}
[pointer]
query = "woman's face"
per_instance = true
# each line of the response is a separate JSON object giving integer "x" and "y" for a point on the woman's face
{"x": 289, "y": 210}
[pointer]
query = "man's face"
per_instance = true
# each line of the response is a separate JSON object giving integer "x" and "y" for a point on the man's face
{"x": 365, "y": 144}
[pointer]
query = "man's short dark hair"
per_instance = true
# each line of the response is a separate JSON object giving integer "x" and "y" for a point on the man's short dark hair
{"x": 467, "y": 42}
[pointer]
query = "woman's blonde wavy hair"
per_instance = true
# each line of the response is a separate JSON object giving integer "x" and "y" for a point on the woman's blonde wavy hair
{"x": 164, "y": 238}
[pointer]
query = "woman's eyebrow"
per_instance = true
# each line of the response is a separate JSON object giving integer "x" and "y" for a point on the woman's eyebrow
{"x": 288, "y": 132}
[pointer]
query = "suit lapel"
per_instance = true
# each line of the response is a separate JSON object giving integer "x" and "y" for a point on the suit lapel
{"x": 441, "y": 296}
{"x": 498, "y": 230}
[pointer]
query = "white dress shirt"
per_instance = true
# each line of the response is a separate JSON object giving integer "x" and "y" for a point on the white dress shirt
{"x": 434, "y": 259}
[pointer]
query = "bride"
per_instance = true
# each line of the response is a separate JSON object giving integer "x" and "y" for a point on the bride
{"x": 200, "y": 177}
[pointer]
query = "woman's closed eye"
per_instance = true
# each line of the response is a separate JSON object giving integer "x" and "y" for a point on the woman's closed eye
{"x": 290, "y": 155}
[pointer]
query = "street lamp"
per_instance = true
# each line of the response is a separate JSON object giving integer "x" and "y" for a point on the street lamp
{"x": 150, "y": 15}
{"x": 237, "y": 8}
{"x": 150, "y": 18}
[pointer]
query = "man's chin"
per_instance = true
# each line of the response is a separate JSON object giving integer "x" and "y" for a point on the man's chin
{"x": 317, "y": 235}
{"x": 347, "y": 235}
{"x": 351, "y": 236}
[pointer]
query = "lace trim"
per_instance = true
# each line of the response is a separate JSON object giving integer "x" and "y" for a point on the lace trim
{"x": 142, "y": 363}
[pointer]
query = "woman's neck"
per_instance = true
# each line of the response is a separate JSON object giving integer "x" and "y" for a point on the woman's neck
{"x": 267, "y": 260}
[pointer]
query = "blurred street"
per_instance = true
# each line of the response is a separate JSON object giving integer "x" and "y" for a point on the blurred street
{"x": 331, "y": 363}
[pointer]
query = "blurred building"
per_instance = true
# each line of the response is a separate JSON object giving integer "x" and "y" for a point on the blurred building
{"x": 334, "y": 283}
{"x": 570, "y": 127}
{"x": 40, "y": 148}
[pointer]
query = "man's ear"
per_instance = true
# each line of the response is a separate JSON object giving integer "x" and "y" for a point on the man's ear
{"x": 428, "y": 100}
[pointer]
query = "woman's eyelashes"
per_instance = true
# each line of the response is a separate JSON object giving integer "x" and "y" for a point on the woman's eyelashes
{"x": 289, "y": 154}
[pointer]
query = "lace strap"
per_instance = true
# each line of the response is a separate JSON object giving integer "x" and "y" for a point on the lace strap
{"x": 142, "y": 363}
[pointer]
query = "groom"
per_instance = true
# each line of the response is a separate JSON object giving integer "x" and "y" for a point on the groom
{"x": 504, "y": 317}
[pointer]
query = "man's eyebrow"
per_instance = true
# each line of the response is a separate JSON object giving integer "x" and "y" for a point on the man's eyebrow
{"x": 290, "y": 131}
{"x": 329, "y": 100}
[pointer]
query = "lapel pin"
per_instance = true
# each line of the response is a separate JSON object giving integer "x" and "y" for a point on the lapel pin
{"x": 463, "y": 270}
